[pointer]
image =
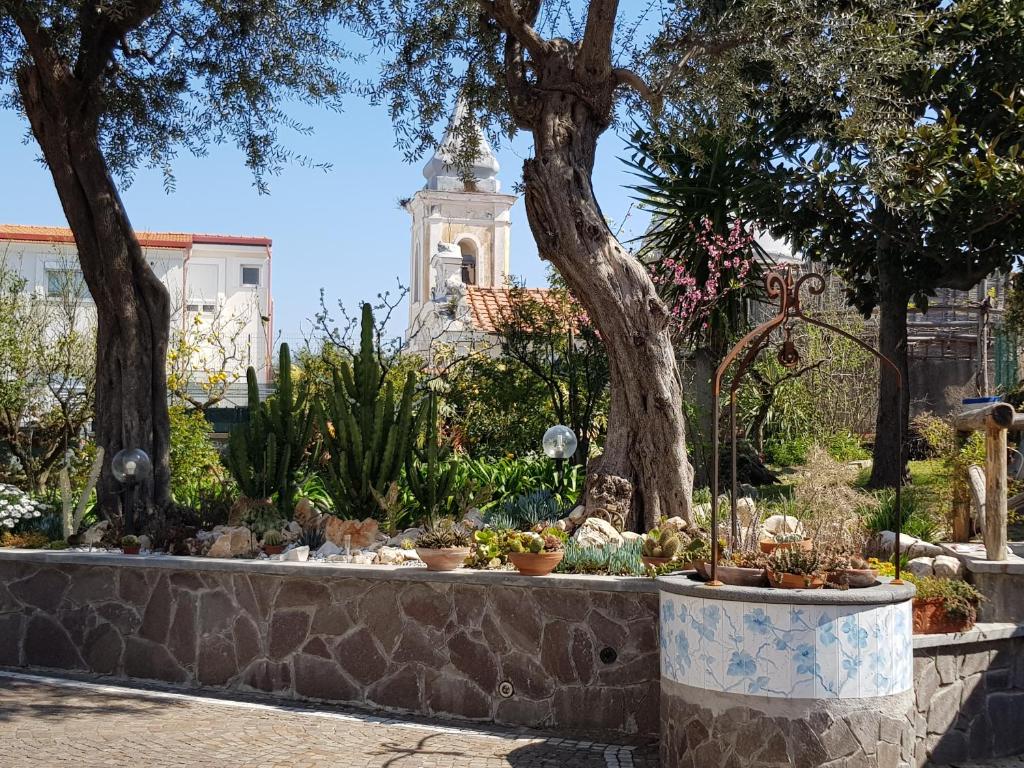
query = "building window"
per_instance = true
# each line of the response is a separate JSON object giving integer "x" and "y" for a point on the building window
{"x": 199, "y": 307}
{"x": 469, "y": 254}
{"x": 66, "y": 282}
{"x": 251, "y": 276}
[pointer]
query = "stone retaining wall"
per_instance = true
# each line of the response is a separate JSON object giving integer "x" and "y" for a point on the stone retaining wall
{"x": 580, "y": 653}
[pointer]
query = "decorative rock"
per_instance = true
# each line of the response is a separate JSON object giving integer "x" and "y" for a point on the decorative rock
{"x": 145, "y": 543}
{"x": 305, "y": 513}
{"x": 577, "y": 515}
{"x": 242, "y": 507}
{"x": 749, "y": 491}
{"x": 232, "y": 542}
{"x": 948, "y": 567}
{"x": 329, "y": 548}
{"x": 296, "y": 555}
{"x": 395, "y": 556}
{"x": 563, "y": 525}
{"x": 631, "y": 536}
{"x": 292, "y": 531}
{"x": 676, "y": 522}
{"x": 922, "y": 566}
{"x": 745, "y": 511}
{"x": 474, "y": 519}
{"x": 363, "y": 533}
{"x": 596, "y": 532}
{"x": 364, "y": 558}
{"x": 909, "y": 545}
{"x": 409, "y": 534}
{"x": 776, "y": 524}
{"x": 92, "y": 537}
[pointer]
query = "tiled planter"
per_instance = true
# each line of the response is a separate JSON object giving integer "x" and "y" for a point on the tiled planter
{"x": 795, "y": 667}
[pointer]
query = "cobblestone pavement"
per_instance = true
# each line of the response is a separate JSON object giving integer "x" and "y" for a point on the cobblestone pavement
{"x": 48, "y": 722}
{"x": 1006, "y": 762}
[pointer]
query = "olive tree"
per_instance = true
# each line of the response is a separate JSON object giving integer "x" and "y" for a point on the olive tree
{"x": 109, "y": 85}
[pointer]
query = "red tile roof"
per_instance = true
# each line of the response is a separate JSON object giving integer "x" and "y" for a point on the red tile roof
{"x": 486, "y": 305}
{"x": 31, "y": 234}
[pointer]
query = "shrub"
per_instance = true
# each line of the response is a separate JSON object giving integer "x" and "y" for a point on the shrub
{"x": 27, "y": 540}
{"x": 788, "y": 453}
{"x": 844, "y": 446}
{"x": 918, "y": 519}
{"x": 960, "y": 599}
{"x": 195, "y": 462}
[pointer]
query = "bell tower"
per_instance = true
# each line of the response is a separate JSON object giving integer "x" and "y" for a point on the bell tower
{"x": 460, "y": 224}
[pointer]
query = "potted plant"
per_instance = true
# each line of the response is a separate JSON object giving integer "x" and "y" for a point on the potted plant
{"x": 660, "y": 546}
{"x": 793, "y": 568}
{"x": 786, "y": 541}
{"x": 130, "y": 545}
{"x": 737, "y": 567}
{"x": 944, "y": 605}
{"x": 443, "y": 545}
{"x": 273, "y": 543}
{"x": 537, "y": 553}
{"x": 853, "y": 573}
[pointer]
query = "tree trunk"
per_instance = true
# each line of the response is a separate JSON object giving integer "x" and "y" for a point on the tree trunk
{"x": 132, "y": 305}
{"x": 646, "y": 441}
{"x": 702, "y": 422}
{"x": 890, "y": 452}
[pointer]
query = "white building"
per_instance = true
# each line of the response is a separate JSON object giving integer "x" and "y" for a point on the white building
{"x": 218, "y": 278}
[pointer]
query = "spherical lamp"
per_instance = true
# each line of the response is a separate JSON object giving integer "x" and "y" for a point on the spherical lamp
{"x": 559, "y": 442}
{"x": 130, "y": 465}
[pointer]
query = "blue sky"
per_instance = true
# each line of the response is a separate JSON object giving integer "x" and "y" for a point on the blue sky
{"x": 341, "y": 229}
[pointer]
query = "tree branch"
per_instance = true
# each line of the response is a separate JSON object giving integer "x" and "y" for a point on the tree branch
{"x": 595, "y": 57}
{"x": 505, "y": 14}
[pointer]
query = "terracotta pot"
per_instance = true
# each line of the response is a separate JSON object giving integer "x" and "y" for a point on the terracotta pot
{"x": 854, "y": 578}
{"x": 273, "y": 549}
{"x": 733, "y": 575}
{"x": 443, "y": 559}
{"x": 536, "y": 563}
{"x": 795, "y": 581}
{"x": 931, "y": 618}
{"x": 655, "y": 562}
{"x": 804, "y": 545}
{"x": 131, "y": 550}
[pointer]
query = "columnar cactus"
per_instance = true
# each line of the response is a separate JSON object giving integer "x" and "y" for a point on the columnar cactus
{"x": 366, "y": 434}
{"x": 429, "y": 474}
{"x": 264, "y": 455}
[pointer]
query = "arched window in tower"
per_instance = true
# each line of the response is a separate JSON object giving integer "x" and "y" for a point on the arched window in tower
{"x": 469, "y": 254}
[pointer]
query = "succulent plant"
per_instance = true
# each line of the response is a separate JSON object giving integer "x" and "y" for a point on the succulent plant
{"x": 313, "y": 536}
{"x": 272, "y": 539}
{"x": 443, "y": 534}
{"x": 788, "y": 538}
{"x": 129, "y": 541}
{"x": 795, "y": 561}
{"x": 662, "y": 542}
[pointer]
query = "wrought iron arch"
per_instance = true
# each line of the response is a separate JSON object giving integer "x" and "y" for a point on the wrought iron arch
{"x": 779, "y": 285}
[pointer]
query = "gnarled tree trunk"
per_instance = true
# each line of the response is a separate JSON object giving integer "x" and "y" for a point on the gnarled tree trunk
{"x": 132, "y": 305}
{"x": 890, "y": 452}
{"x": 646, "y": 441}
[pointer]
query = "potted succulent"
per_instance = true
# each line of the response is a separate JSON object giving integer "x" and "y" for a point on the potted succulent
{"x": 786, "y": 541}
{"x": 130, "y": 545}
{"x": 944, "y": 605}
{"x": 273, "y": 543}
{"x": 739, "y": 567}
{"x": 794, "y": 568}
{"x": 443, "y": 545}
{"x": 853, "y": 573}
{"x": 537, "y": 553}
{"x": 660, "y": 546}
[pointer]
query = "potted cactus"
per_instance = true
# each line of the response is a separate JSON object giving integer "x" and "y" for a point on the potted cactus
{"x": 443, "y": 545}
{"x": 944, "y": 605}
{"x": 273, "y": 542}
{"x": 795, "y": 568}
{"x": 130, "y": 545}
{"x": 786, "y": 541}
{"x": 660, "y": 546}
{"x": 537, "y": 553}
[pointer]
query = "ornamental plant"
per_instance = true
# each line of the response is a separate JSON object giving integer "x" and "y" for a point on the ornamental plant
{"x": 16, "y": 505}
{"x": 535, "y": 542}
{"x": 443, "y": 534}
{"x": 959, "y": 598}
{"x": 662, "y": 542}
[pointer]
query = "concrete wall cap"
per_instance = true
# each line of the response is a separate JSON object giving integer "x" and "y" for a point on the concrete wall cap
{"x": 883, "y": 594}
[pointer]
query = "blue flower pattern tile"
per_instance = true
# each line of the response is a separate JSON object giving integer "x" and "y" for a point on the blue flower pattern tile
{"x": 789, "y": 651}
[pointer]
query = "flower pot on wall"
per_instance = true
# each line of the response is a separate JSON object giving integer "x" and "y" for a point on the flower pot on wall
{"x": 655, "y": 562}
{"x": 443, "y": 559}
{"x": 273, "y": 549}
{"x": 536, "y": 563}
{"x": 854, "y": 578}
{"x": 795, "y": 581}
{"x": 131, "y": 550}
{"x": 733, "y": 575}
{"x": 931, "y": 618}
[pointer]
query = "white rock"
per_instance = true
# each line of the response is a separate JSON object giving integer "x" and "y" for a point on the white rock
{"x": 909, "y": 545}
{"x": 145, "y": 543}
{"x": 577, "y": 515}
{"x": 776, "y": 524}
{"x": 395, "y": 556}
{"x": 232, "y": 542}
{"x": 328, "y": 548}
{"x": 409, "y": 534}
{"x": 92, "y": 536}
{"x": 745, "y": 511}
{"x": 596, "y": 532}
{"x": 296, "y": 555}
{"x": 922, "y": 566}
{"x": 363, "y": 557}
{"x": 948, "y": 567}
{"x": 676, "y": 522}
{"x": 631, "y": 536}
{"x": 292, "y": 531}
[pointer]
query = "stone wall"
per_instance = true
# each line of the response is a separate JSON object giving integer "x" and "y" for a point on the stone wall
{"x": 580, "y": 653}
{"x": 969, "y": 701}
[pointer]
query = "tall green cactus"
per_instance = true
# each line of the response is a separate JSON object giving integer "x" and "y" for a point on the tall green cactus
{"x": 265, "y": 454}
{"x": 367, "y": 435}
{"x": 432, "y": 478}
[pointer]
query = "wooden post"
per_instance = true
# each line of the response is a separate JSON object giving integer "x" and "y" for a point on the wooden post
{"x": 995, "y": 493}
{"x": 961, "y": 499}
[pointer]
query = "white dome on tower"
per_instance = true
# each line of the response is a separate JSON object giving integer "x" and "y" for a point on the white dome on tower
{"x": 442, "y": 171}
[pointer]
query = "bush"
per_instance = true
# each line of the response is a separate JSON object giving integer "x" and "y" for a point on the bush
{"x": 195, "y": 463}
{"x": 845, "y": 446}
{"x": 788, "y": 453}
{"x": 960, "y": 599}
{"x": 918, "y": 519}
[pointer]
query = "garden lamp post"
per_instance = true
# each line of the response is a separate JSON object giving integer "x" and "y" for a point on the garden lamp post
{"x": 130, "y": 467}
{"x": 559, "y": 444}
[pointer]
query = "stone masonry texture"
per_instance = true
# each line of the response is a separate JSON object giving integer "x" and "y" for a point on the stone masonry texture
{"x": 575, "y": 659}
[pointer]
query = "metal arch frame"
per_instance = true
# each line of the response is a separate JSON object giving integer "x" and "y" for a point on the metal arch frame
{"x": 781, "y": 286}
